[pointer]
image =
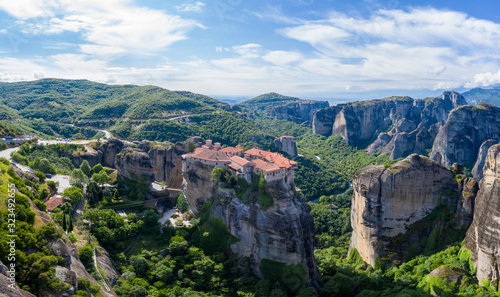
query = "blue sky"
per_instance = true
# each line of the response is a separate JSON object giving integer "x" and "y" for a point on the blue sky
{"x": 313, "y": 49}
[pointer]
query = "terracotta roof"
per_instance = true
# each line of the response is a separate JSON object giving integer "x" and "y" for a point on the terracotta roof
{"x": 210, "y": 155}
{"x": 232, "y": 166}
{"x": 54, "y": 202}
{"x": 239, "y": 160}
{"x": 265, "y": 166}
{"x": 276, "y": 158}
{"x": 231, "y": 149}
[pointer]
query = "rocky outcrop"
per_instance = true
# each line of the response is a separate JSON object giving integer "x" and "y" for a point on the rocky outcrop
{"x": 390, "y": 205}
{"x": 395, "y": 125}
{"x": 106, "y": 263}
{"x": 282, "y": 233}
{"x": 477, "y": 171}
{"x": 6, "y": 286}
{"x": 74, "y": 269}
{"x": 300, "y": 111}
{"x": 287, "y": 145}
{"x": 483, "y": 236}
{"x": 197, "y": 185}
{"x": 466, "y": 129}
{"x": 145, "y": 162}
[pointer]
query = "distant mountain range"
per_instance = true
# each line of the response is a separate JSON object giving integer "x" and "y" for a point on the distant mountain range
{"x": 474, "y": 96}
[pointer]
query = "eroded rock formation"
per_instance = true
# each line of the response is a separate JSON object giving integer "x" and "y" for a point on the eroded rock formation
{"x": 395, "y": 125}
{"x": 389, "y": 205}
{"x": 483, "y": 236}
{"x": 463, "y": 134}
{"x": 287, "y": 144}
{"x": 283, "y": 233}
{"x": 300, "y": 111}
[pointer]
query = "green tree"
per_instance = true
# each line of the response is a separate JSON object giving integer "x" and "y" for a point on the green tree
{"x": 74, "y": 194}
{"x": 97, "y": 168}
{"x": 65, "y": 228}
{"x": 190, "y": 147}
{"x": 85, "y": 253}
{"x": 36, "y": 163}
{"x": 44, "y": 193}
{"x": 66, "y": 208}
{"x": 52, "y": 185}
{"x": 116, "y": 195}
{"x": 101, "y": 178}
{"x": 40, "y": 176}
{"x": 78, "y": 178}
{"x": 94, "y": 193}
{"x": 85, "y": 167}
{"x": 45, "y": 166}
{"x": 182, "y": 204}
{"x": 70, "y": 227}
{"x": 41, "y": 206}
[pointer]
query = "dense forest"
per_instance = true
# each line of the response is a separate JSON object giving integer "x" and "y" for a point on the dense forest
{"x": 193, "y": 260}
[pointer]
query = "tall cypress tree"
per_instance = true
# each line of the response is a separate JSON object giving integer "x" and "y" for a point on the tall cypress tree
{"x": 64, "y": 222}
{"x": 70, "y": 228}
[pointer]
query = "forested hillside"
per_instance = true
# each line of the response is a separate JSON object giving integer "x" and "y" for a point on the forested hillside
{"x": 69, "y": 100}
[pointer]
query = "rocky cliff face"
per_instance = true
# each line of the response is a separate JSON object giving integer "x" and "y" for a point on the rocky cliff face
{"x": 287, "y": 144}
{"x": 390, "y": 205}
{"x": 465, "y": 131}
{"x": 395, "y": 125}
{"x": 145, "y": 162}
{"x": 483, "y": 236}
{"x": 283, "y": 233}
{"x": 300, "y": 111}
{"x": 197, "y": 185}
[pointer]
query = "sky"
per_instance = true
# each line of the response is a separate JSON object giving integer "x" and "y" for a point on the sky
{"x": 329, "y": 49}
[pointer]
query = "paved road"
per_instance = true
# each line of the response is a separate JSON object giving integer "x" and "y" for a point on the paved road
{"x": 62, "y": 179}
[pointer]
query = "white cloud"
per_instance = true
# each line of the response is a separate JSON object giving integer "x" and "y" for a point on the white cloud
{"x": 395, "y": 49}
{"x": 484, "y": 80}
{"x": 108, "y": 24}
{"x": 282, "y": 57}
{"x": 191, "y": 7}
{"x": 250, "y": 50}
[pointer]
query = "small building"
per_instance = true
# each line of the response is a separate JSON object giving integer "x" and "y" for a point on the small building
{"x": 54, "y": 202}
{"x": 242, "y": 167}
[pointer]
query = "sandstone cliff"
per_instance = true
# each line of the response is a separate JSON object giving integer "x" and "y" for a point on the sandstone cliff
{"x": 197, "y": 185}
{"x": 483, "y": 236}
{"x": 395, "y": 125}
{"x": 395, "y": 208}
{"x": 287, "y": 145}
{"x": 300, "y": 111}
{"x": 465, "y": 131}
{"x": 143, "y": 162}
{"x": 283, "y": 233}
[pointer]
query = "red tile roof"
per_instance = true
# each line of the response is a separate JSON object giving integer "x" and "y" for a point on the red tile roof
{"x": 231, "y": 149}
{"x": 53, "y": 202}
{"x": 233, "y": 167}
{"x": 265, "y": 166}
{"x": 210, "y": 155}
{"x": 276, "y": 158}
{"x": 239, "y": 160}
